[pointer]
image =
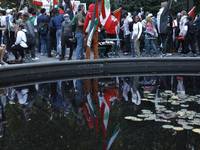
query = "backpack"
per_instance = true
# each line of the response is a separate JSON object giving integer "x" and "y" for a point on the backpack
{"x": 30, "y": 40}
{"x": 192, "y": 28}
{"x": 43, "y": 30}
{"x": 142, "y": 36}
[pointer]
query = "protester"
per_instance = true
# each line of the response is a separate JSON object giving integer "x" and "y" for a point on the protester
{"x": 55, "y": 24}
{"x": 66, "y": 37}
{"x": 39, "y": 20}
{"x": 181, "y": 26}
{"x": 197, "y": 21}
{"x": 79, "y": 32}
{"x": 137, "y": 31}
{"x": 131, "y": 30}
{"x": 190, "y": 31}
{"x": 150, "y": 34}
{"x": 94, "y": 40}
{"x": 44, "y": 35}
{"x": 127, "y": 20}
{"x": 20, "y": 43}
{"x": 30, "y": 30}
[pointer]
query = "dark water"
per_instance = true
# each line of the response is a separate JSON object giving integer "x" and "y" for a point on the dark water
{"x": 68, "y": 114}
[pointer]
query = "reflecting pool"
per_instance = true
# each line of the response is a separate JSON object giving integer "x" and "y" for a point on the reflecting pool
{"x": 134, "y": 112}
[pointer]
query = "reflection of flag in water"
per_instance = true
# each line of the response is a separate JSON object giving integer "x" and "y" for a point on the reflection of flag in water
{"x": 91, "y": 113}
{"x": 114, "y": 135}
{"x": 164, "y": 17}
{"x": 105, "y": 16}
{"x": 105, "y": 112}
{"x": 191, "y": 13}
{"x": 94, "y": 24}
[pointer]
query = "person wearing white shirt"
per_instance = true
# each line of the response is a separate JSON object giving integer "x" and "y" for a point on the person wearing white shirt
{"x": 137, "y": 31}
{"x": 20, "y": 43}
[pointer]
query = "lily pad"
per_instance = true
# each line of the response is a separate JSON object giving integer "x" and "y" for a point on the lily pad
{"x": 196, "y": 130}
{"x": 178, "y": 128}
{"x": 166, "y": 126}
{"x": 168, "y": 91}
{"x": 129, "y": 117}
{"x": 188, "y": 127}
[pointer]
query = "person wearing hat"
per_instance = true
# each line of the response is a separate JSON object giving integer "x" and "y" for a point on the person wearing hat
{"x": 55, "y": 24}
{"x": 66, "y": 36}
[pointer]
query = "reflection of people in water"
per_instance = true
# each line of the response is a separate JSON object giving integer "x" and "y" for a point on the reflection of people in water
{"x": 78, "y": 103}
{"x": 136, "y": 98}
{"x": 61, "y": 96}
{"x": 3, "y": 121}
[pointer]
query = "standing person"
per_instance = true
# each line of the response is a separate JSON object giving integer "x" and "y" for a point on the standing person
{"x": 53, "y": 42}
{"x": 150, "y": 32}
{"x": 39, "y": 20}
{"x": 2, "y": 52}
{"x": 165, "y": 31}
{"x": 79, "y": 32}
{"x": 190, "y": 36}
{"x": 30, "y": 30}
{"x": 197, "y": 21}
{"x": 44, "y": 35}
{"x": 55, "y": 23}
{"x": 66, "y": 35}
{"x": 137, "y": 31}
{"x": 131, "y": 30}
{"x": 127, "y": 33}
{"x": 181, "y": 26}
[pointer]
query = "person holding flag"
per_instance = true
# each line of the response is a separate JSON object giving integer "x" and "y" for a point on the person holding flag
{"x": 90, "y": 29}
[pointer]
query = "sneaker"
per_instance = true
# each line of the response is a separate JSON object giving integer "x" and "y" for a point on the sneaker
{"x": 183, "y": 55}
{"x": 57, "y": 56}
{"x": 61, "y": 59}
{"x": 42, "y": 54}
{"x": 66, "y": 56}
{"x": 163, "y": 55}
{"x": 36, "y": 58}
{"x": 125, "y": 53}
{"x": 49, "y": 55}
{"x": 194, "y": 55}
{"x": 11, "y": 102}
{"x": 3, "y": 63}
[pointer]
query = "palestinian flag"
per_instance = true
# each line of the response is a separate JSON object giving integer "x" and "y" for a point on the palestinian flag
{"x": 115, "y": 133}
{"x": 164, "y": 17}
{"x": 191, "y": 13}
{"x": 105, "y": 16}
{"x": 94, "y": 23}
{"x": 38, "y": 2}
{"x": 105, "y": 112}
{"x": 55, "y": 2}
{"x": 117, "y": 13}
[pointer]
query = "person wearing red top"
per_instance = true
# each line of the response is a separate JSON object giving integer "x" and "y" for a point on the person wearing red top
{"x": 61, "y": 10}
{"x": 111, "y": 32}
{"x": 94, "y": 43}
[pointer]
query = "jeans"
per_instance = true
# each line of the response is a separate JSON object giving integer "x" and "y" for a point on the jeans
{"x": 127, "y": 44}
{"x": 80, "y": 45}
{"x": 66, "y": 40}
{"x": 132, "y": 46}
{"x": 149, "y": 43}
{"x": 44, "y": 42}
{"x": 58, "y": 40}
{"x": 198, "y": 39}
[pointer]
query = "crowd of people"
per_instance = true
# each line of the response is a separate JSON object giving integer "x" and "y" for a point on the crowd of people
{"x": 58, "y": 30}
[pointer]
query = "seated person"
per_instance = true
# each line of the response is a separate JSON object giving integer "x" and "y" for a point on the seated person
{"x": 20, "y": 43}
{"x": 2, "y": 52}
{"x": 101, "y": 37}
